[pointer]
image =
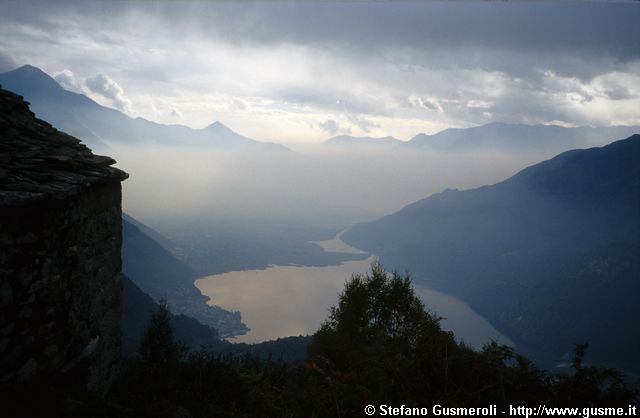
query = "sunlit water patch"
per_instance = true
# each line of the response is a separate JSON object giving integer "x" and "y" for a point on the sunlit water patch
{"x": 282, "y": 301}
{"x": 337, "y": 245}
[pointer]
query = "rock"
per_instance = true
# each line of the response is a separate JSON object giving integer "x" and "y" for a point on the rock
{"x": 36, "y": 286}
{"x": 6, "y": 239}
{"x": 47, "y": 328}
{"x": 181, "y": 412}
{"x": 25, "y": 279}
{"x": 60, "y": 243}
{"x": 6, "y": 295}
{"x": 25, "y": 312}
{"x": 8, "y": 362}
{"x": 51, "y": 350}
{"x": 7, "y": 330}
{"x": 27, "y": 371}
{"x": 4, "y": 344}
{"x": 28, "y": 238}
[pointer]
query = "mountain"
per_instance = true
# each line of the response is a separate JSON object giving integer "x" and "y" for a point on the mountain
{"x": 347, "y": 141}
{"x": 165, "y": 242}
{"x": 495, "y": 137}
{"x": 137, "y": 308}
{"x": 551, "y": 256}
{"x": 519, "y": 138}
{"x": 80, "y": 116}
{"x": 157, "y": 272}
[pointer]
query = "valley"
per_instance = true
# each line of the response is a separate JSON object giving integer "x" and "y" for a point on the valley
{"x": 282, "y": 301}
{"x": 253, "y": 222}
{"x": 310, "y": 208}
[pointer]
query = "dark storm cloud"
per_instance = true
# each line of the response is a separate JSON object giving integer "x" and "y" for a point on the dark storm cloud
{"x": 571, "y": 38}
{"x": 536, "y": 26}
{"x": 357, "y": 63}
{"x": 576, "y": 27}
{"x": 589, "y": 32}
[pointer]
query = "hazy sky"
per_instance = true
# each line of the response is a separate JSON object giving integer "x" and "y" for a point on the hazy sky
{"x": 304, "y": 71}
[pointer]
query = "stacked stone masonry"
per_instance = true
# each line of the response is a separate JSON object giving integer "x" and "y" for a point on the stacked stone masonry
{"x": 60, "y": 263}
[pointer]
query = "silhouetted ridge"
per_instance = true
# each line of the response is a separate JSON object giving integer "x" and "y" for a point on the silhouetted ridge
{"x": 158, "y": 273}
{"x": 506, "y": 137}
{"x": 95, "y": 124}
{"x": 34, "y": 79}
{"x": 550, "y": 256}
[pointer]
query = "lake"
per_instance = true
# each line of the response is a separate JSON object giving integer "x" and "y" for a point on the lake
{"x": 282, "y": 301}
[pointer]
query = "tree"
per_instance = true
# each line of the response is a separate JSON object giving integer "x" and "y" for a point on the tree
{"x": 375, "y": 308}
{"x": 380, "y": 344}
{"x": 158, "y": 344}
{"x": 375, "y": 340}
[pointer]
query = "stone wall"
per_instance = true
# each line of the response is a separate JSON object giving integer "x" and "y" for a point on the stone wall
{"x": 60, "y": 287}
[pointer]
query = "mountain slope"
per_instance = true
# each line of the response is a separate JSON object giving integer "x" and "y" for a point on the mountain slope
{"x": 80, "y": 116}
{"x": 158, "y": 273}
{"x": 519, "y": 138}
{"x": 550, "y": 256}
{"x": 137, "y": 308}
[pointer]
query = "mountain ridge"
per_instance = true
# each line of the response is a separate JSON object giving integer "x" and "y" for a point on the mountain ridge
{"x": 550, "y": 256}
{"x": 95, "y": 124}
{"x": 519, "y": 137}
{"x": 159, "y": 274}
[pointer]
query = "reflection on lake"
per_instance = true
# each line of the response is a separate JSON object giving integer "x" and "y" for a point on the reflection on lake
{"x": 282, "y": 301}
{"x": 337, "y": 245}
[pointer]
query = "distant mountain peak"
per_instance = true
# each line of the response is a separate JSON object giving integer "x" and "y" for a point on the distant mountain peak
{"x": 95, "y": 124}
{"x": 32, "y": 68}
{"x": 220, "y": 131}
{"x": 31, "y": 71}
{"x": 34, "y": 77}
{"x": 218, "y": 127}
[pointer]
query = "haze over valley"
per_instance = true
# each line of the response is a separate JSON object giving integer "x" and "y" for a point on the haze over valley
{"x": 294, "y": 165}
{"x": 219, "y": 202}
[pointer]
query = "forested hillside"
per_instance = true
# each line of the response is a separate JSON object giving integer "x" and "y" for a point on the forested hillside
{"x": 550, "y": 256}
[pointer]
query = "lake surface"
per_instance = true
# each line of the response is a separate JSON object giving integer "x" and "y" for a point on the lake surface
{"x": 282, "y": 301}
{"x": 337, "y": 245}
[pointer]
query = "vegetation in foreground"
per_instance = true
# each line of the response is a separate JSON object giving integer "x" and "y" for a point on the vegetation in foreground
{"x": 378, "y": 346}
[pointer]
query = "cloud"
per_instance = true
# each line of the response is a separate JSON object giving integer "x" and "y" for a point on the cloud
{"x": 427, "y": 103}
{"x": 613, "y": 89}
{"x": 357, "y": 122}
{"x": 106, "y": 87}
{"x": 68, "y": 81}
{"x": 175, "y": 113}
{"x": 285, "y": 70}
{"x": 332, "y": 127}
{"x": 362, "y": 122}
{"x": 6, "y": 62}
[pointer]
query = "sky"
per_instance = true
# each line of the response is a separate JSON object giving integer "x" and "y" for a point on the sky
{"x": 301, "y": 72}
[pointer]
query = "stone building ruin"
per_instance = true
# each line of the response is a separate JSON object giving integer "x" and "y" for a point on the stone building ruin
{"x": 60, "y": 262}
